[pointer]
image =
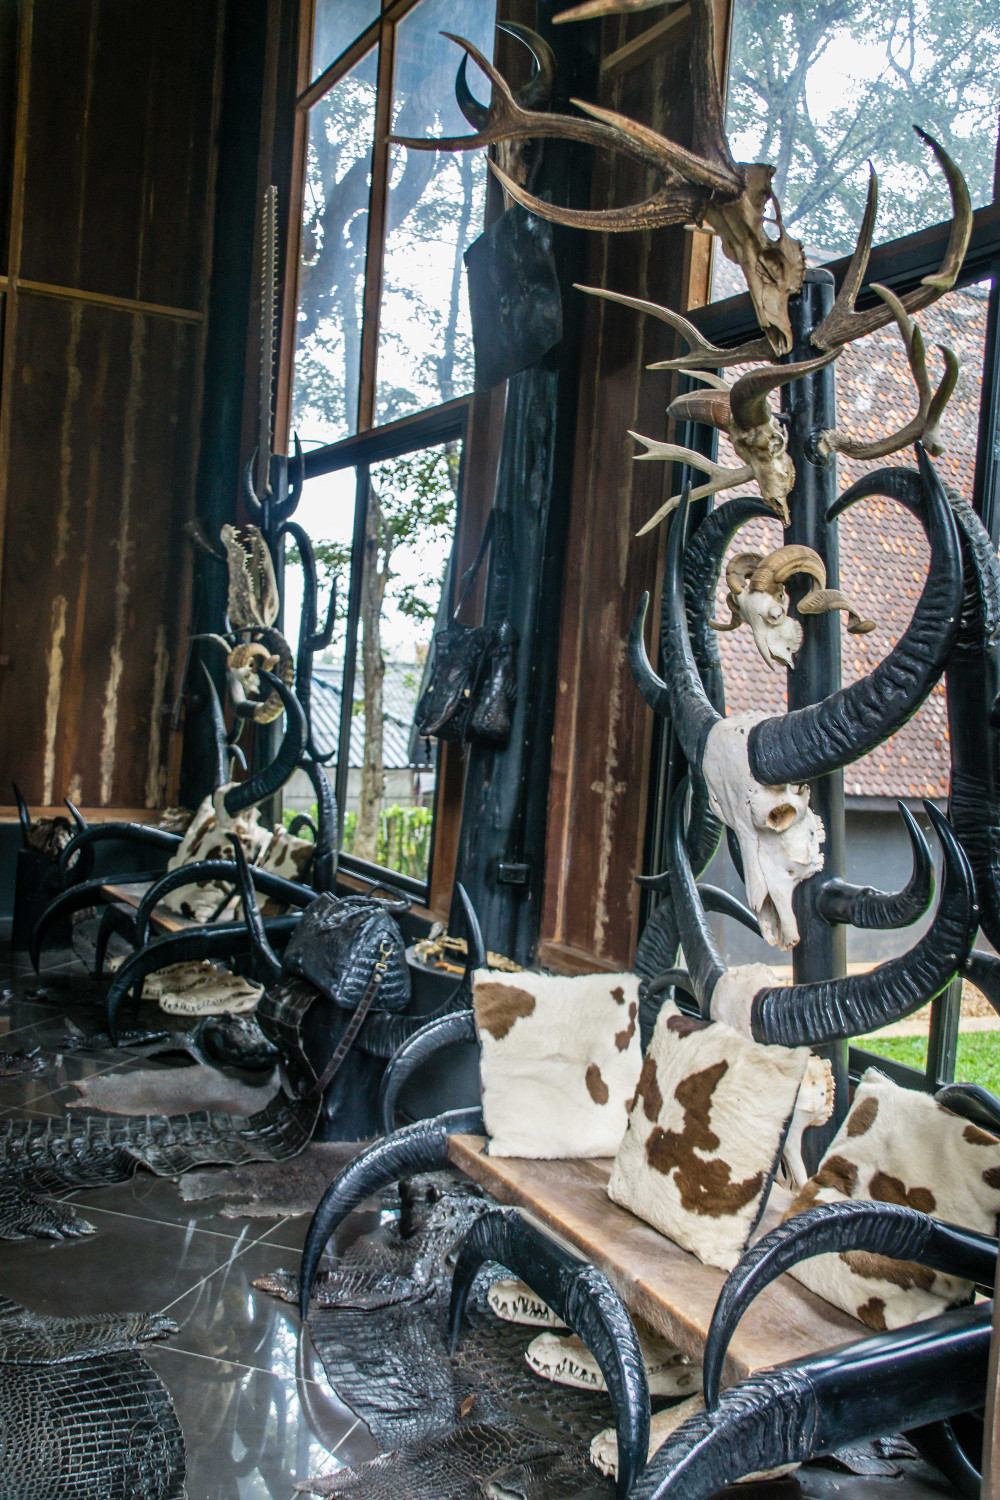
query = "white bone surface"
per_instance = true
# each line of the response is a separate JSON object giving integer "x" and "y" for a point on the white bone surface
{"x": 733, "y": 996}
{"x": 778, "y": 832}
{"x": 568, "y": 1361}
{"x": 604, "y": 1447}
{"x": 515, "y": 1302}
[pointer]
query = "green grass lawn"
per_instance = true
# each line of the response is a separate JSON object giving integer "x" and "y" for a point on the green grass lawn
{"x": 978, "y": 1055}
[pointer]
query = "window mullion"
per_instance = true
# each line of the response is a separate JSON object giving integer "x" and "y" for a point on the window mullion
{"x": 378, "y": 203}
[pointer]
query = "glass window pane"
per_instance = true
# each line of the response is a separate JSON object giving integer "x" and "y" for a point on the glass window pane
{"x": 337, "y": 24}
{"x": 411, "y": 525}
{"x": 331, "y": 274}
{"x": 436, "y": 206}
{"x": 818, "y": 90}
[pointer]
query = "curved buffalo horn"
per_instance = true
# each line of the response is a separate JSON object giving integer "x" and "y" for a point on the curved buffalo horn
{"x": 973, "y": 1102}
{"x": 264, "y": 961}
{"x": 219, "y": 734}
{"x": 446, "y": 1031}
{"x": 115, "y": 921}
{"x": 128, "y": 833}
{"x": 286, "y": 891}
{"x": 326, "y": 857}
{"x": 586, "y": 1302}
{"x": 940, "y": 1445}
{"x": 422, "y": 1147}
{"x": 473, "y": 932}
{"x": 810, "y": 742}
{"x": 535, "y": 92}
{"x": 273, "y": 777}
{"x": 301, "y": 823}
{"x": 227, "y": 940}
{"x": 87, "y": 893}
{"x": 748, "y": 397}
{"x": 735, "y": 853}
{"x": 922, "y": 1373}
{"x": 886, "y": 1229}
{"x": 705, "y": 963}
{"x": 983, "y": 970}
{"x": 23, "y": 815}
{"x": 680, "y": 694}
{"x": 712, "y": 898}
{"x": 864, "y": 906}
{"x": 835, "y": 1009}
{"x": 76, "y": 815}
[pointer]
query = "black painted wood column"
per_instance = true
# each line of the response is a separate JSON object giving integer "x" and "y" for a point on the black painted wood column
{"x": 809, "y": 406}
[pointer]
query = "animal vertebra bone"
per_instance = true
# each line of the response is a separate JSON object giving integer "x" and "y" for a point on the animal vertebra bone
{"x": 757, "y": 598}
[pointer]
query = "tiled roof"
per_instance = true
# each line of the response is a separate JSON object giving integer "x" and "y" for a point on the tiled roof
{"x": 883, "y": 554}
{"x": 399, "y": 695}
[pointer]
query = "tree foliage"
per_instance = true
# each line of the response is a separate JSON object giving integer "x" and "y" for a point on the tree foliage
{"x": 931, "y": 62}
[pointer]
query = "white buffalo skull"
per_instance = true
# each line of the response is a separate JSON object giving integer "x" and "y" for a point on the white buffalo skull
{"x": 778, "y": 832}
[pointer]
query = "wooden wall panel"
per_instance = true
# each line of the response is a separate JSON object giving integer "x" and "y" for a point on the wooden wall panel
{"x": 8, "y": 94}
{"x": 109, "y": 247}
{"x": 600, "y": 772}
{"x": 119, "y": 148}
{"x": 92, "y": 595}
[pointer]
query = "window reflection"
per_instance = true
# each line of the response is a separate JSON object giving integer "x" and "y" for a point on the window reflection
{"x": 819, "y": 89}
{"x": 436, "y": 208}
{"x": 337, "y": 24}
{"x": 332, "y": 271}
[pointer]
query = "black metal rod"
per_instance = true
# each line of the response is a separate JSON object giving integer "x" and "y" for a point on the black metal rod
{"x": 809, "y": 406}
{"x": 351, "y": 645}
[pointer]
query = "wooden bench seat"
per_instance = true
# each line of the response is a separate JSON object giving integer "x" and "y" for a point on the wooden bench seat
{"x": 659, "y": 1282}
{"x": 130, "y": 893}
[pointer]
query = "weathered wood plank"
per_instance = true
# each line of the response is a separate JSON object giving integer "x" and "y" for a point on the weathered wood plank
{"x": 658, "y": 1281}
{"x": 162, "y": 918}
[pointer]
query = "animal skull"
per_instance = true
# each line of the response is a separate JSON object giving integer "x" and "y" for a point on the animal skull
{"x": 779, "y": 834}
{"x": 757, "y": 598}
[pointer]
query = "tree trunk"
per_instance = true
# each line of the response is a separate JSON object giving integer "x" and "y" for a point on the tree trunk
{"x": 373, "y": 666}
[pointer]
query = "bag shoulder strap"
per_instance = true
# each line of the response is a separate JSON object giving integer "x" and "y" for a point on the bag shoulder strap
{"x": 364, "y": 1006}
{"x": 468, "y": 578}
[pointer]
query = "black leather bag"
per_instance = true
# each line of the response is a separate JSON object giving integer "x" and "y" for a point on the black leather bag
{"x": 470, "y": 693}
{"x": 337, "y": 945}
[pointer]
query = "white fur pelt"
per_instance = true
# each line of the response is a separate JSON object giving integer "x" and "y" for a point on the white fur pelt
{"x": 208, "y": 837}
{"x": 710, "y": 1115}
{"x": 560, "y": 1060}
{"x": 898, "y": 1145}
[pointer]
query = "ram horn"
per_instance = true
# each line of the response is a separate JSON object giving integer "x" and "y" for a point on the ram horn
{"x": 838, "y": 901}
{"x": 884, "y": 1229}
{"x": 288, "y": 892}
{"x": 271, "y": 779}
{"x": 265, "y": 964}
{"x": 921, "y": 1373}
{"x": 581, "y": 1297}
{"x": 774, "y": 570}
{"x": 227, "y": 940}
{"x": 680, "y": 695}
{"x": 446, "y": 1031}
{"x": 835, "y": 1009}
{"x": 810, "y": 742}
{"x": 421, "y": 1147}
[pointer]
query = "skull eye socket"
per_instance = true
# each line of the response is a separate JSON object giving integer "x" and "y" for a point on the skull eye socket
{"x": 781, "y": 817}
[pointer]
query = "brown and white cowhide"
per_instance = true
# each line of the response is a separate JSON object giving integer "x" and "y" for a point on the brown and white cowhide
{"x": 206, "y": 838}
{"x": 704, "y": 1136}
{"x": 560, "y": 1060}
{"x": 900, "y": 1146}
{"x": 287, "y": 856}
{"x": 566, "y": 1360}
{"x": 604, "y": 1447}
{"x": 515, "y": 1302}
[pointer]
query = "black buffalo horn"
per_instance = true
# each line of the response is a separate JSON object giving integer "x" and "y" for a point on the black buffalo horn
{"x": 535, "y": 92}
{"x": 810, "y": 742}
{"x": 325, "y": 859}
{"x": 705, "y": 963}
{"x": 227, "y": 940}
{"x": 864, "y": 906}
{"x": 421, "y": 1147}
{"x": 271, "y": 779}
{"x": 679, "y": 695}
{"x": 220, "y": 738}
{"x": 922, "y": 1373}
{"x": 445, "y": 1031}
{"x": 289, "y": 892}
{"x": 833, "y": 1009}
{"x": 712, "y": 897}
{"x": 264, "y": 961}
{"x": 76, "y": 814}
{"x": 23, "y": 815}
{"x": 584, "y": 1299}
{"x": 972, "y": 1102}
{"x": 983, "y": 970}
{"x": 87, "y": 893}
{"x": 126, "y": 833}
{"x": 886, "y": 1229}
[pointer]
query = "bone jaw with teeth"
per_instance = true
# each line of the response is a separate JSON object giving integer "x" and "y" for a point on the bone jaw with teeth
{"x": 757, "y": 598}
{"x": 567, "y": 1361}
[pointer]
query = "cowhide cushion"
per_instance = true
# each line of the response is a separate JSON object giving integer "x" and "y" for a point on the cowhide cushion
{"x": 274, "y": 849}
{"x": 560, "y": 1060}
{"x": 898, "y": 1145}
{"x": 705, "y": 1133}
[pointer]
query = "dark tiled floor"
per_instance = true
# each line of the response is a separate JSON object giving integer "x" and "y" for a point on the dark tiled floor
{"x": 257, "y": 1412}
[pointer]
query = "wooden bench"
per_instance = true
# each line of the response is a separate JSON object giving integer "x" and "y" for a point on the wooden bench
{"x": 664, "y": 1285}
{"x": 130, "y": 893}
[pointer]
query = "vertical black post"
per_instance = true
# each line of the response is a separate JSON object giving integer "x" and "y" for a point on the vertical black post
{"x": 809, "y": 406}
